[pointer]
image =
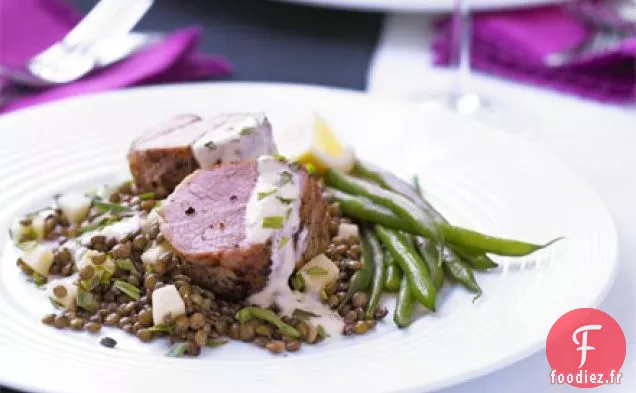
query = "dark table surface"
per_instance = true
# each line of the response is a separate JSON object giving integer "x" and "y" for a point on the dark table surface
{"x": 271, "y": 41}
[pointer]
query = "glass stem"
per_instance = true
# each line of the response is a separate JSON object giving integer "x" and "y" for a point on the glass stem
{"x": 466, "y": 101}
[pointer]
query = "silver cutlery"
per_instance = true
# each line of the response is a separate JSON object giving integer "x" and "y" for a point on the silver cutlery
{"x": 76, "y": 54}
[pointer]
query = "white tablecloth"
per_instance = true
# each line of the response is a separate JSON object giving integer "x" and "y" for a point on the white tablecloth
{"x": 598, "y": 141}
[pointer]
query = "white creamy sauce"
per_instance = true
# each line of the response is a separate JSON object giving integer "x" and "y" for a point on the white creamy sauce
{"x": 233, "y": 137}
{"x": 277, "y": 198}
{"x": 122, "y": 228}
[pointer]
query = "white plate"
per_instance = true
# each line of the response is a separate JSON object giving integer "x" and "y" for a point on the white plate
{"x": 421, "y": 5}
{"x": 478, "y": 178}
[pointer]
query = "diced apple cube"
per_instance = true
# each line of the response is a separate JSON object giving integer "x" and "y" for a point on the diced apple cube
{"x": 166, "y": 301}
{"x": 318, "y": 273}
{"x": 75, "y": 206}
{"x": 347, "y": 230}
{"x": 38, "y": 258}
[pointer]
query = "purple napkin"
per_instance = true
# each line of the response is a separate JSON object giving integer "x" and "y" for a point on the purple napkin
{"x": 513, "y": 44}
{"x": 29, "y": 26}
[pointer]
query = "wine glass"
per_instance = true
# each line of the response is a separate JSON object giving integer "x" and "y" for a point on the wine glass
{"x": 462, "y": 99}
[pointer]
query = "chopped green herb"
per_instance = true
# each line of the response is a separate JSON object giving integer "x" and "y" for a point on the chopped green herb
{"x": 125, "y": 264}
{"x": 247, "y": 131}
{"x": 311, "y": 168}
{"x": 148, "y": 268}
{"x": 320, "y": 331}
{"x": 127, "y": 288}
{"x": 210, "y": 145}
{"x": 295, "y": 165}
{"x": 27, "y": 245}
{"x": 280, "y": 157}
{"x": 86, "y": 300}
{"x": 38, "y": 279}
{"x": 288, "y": 214}
{"x": 286, "y": 201}
{"x": 147, "y": 196}
{"x": 303, "y": 314}
{"x": 104, "y": 222}
{"x": 161, "y": 328}
{"x": 316, "y": 271}
{"x": 55, "y": 303}
{"x": 273, "y": 222}
{"x": 263, "y": 195}
{"x": 298, "y": 282}
{"x": 177, "y": 350}
{"x": 323, "y": 295}
{"x": 216, "y": 342}
{"x": 285, "y": 177}
{"x": 283, "y": 242}
{"x": 89, "y": 285}
{"x": 105, "y": 207}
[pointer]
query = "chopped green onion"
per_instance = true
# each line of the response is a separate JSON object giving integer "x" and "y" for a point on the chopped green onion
{"x": 147, "y": 196}
{"x": 217, "y": 342}
{"x": 285, "y": 177}
{"x": 273, "y": 222}
{"x": 38, "y": 279}
{"x": 55, "y": 303}
{"x": 127, "y": 288}
{"x": 177, "y": 350}
{"x": 27, "y": 245}
{"x": 295, "y": 165}
{"x": 303, "y": 314}
{"x": 105, "y": 207}
{"x": 280, "y": 157}
{"x": 263, "y": 195}
{"x": 247, "y": 131}
{"x": 316, "y": 271}
{"x": 286, "y": 201}
{"x": 283, "y": 242}
{"x": 104, "y": 222}
{"x": 320, "y": 331}
{"x": 86, "y": 300}
{"x": 125, "y": 264}
{"x": 298, "y": 282}
{"x": 89, "y": 285}
{"x": 210, "y": 145}
{"x": 311, "y": 168}
{"x": 161, "y": 328}
{"x": 288, "y": 214}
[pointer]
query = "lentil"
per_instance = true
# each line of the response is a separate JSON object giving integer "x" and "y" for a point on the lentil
{"x": 275, "y": 346}
{"x": 145, "y": 335}
{"x": 48, "y": 319}
{"x": 61, "y": 321}
{"x": 108, "y": 342}
{"x": 93, "y": 327}
{"x": 359, "y": 299}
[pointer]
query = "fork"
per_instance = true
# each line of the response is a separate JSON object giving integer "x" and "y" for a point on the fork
{"x": 74, "y": 56}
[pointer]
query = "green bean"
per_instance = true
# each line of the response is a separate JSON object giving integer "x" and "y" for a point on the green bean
{"x": 399, "y": 204}
{"x": 371, "y": 241}
{"x": 249, "y": 313}
{"x": 364, "y": 209}
{"x": 461, "y": 273}
{"x": 429, "y": 252}
{"x": 404, "y": 305}
{"x": 393, "y": 275}
{"x": 476, "y": 260}
{"x": 411, "y": 264}
{"x": 361, "y": 279}
{"x": 390, "y": 181}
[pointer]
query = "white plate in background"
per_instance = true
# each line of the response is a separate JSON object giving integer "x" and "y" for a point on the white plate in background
{"x": 421, "y": 5}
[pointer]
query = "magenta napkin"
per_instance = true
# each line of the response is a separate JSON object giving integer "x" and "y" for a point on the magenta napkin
{"x": 30, "y": 26}
{"x": 513, "y": 44}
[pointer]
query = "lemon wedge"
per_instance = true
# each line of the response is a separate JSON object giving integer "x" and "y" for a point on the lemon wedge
{"x": 312, "y": 141}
